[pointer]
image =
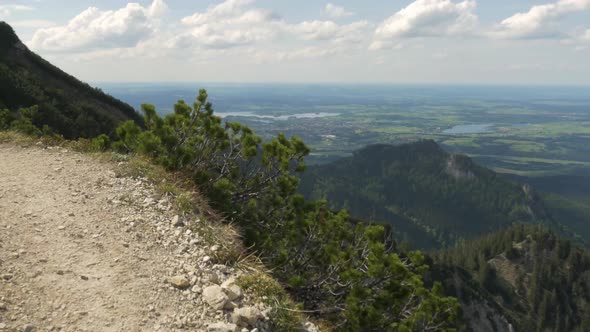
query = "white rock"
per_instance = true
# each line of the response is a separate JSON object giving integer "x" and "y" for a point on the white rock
{"x": 246, "y": 316}
{"x": 232, "y": 290}
{"x": 176, "y": 222}
{"x": 222, "y": 327}
{"x": 215, "y": 297}
{"x": 310, "y": 327}
{"x": 213, "y": 278}
{"x": 179, "y": 282}
{"x": 220, "y": 267}
{"x": 230, "y": 305}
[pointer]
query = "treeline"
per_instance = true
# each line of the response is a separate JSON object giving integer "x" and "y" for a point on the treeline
{"x": 541, "y": 280}
{"x": 345, "y": 272}
{"x": 423, "y": 192}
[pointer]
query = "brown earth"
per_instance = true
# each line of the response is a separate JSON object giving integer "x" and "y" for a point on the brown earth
{"x": 84, "y": 250}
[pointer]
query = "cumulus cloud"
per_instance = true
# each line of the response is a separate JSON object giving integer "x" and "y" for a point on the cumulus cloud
{"x": 334, "y": 11}
{"x": 329, "y": 30}
{"x": 234, "y": 23}
{"x": 228, "y": 24}
{"x": 540, "y": 21}
{"x": 427, "y": 18}
{"x": 95, "y": 28}
{"x": 7, "y": 10}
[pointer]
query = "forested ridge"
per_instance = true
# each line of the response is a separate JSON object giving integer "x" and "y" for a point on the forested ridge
{"x": 51, "y": 99}
{"x": 429, "y": 197}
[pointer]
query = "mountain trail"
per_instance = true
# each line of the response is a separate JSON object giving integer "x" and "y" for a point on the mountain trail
{"x": 84, "y": 250}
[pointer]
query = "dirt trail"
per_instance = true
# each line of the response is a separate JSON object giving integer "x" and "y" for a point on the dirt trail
{"x": 83, "y": 250}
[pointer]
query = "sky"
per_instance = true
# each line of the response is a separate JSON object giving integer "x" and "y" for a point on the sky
{"x": 311, "y": 41}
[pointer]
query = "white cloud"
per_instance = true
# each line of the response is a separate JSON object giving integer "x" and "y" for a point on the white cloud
{"x": 334, "y": 11}
{"x": 158, "y": 8}
{"x": 234, "y": 23}
{"x": 7, "y": 10}
{"x": 427, "y": 18}
{"x": 540, "y": 21}
{"x": 94, "y": 28}
{"x": 331, "y": 31}
{"x": 229, "y": 24}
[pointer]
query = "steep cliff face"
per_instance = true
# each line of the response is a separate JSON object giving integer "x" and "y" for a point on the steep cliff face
{"x": 480, "y": 316}
{"x": 535, "y": 203}
{"x": 479, "y": 310}
{"x": 65, "y": 104}
{"x": 525, "y": 276}
{"x": 456, "y": 168}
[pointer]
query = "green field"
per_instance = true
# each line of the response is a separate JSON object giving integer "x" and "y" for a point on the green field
{"x": 534, "y": 138}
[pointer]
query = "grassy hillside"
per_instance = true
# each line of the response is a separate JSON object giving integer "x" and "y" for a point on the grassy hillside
{"x": 431, "y": 198}
{"x": 65, "y": 104}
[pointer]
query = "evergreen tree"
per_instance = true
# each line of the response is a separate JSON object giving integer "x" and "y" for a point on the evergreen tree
{"x": 346, "y": 271}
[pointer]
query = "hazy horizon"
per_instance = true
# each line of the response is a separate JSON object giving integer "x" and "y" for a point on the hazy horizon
{"x": 347, "y": 83}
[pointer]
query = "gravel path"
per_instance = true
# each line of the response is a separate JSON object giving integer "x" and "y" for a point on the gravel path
{"x": 84, "y": 250}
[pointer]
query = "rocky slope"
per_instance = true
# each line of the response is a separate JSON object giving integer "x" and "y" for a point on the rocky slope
{"x": 83, "y": 249}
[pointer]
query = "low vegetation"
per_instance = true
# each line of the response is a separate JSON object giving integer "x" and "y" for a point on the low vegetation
{"x": 347, "y": 273}
{"x": 541, "y": 280}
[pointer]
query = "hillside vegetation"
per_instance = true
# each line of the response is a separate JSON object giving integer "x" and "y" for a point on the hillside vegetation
{"x": 349, "y": 274}
{"x": 34, "y": 91}
{"x": 429, "y": 197}
{"x": 539, "y": 281}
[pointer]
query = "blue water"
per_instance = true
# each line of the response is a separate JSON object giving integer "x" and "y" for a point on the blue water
{"x": 470, "y": 129}
{"x": 278, "y": 117}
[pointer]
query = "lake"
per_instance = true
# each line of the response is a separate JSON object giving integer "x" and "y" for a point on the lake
{"x": 277, "y": 118}
{"x": 470, "y": 129}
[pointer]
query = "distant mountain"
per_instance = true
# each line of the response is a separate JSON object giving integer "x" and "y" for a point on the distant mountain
{"x": 524, "y": 276}
{"x": 68, "y": 106}
{"x": 429, "y": 197}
